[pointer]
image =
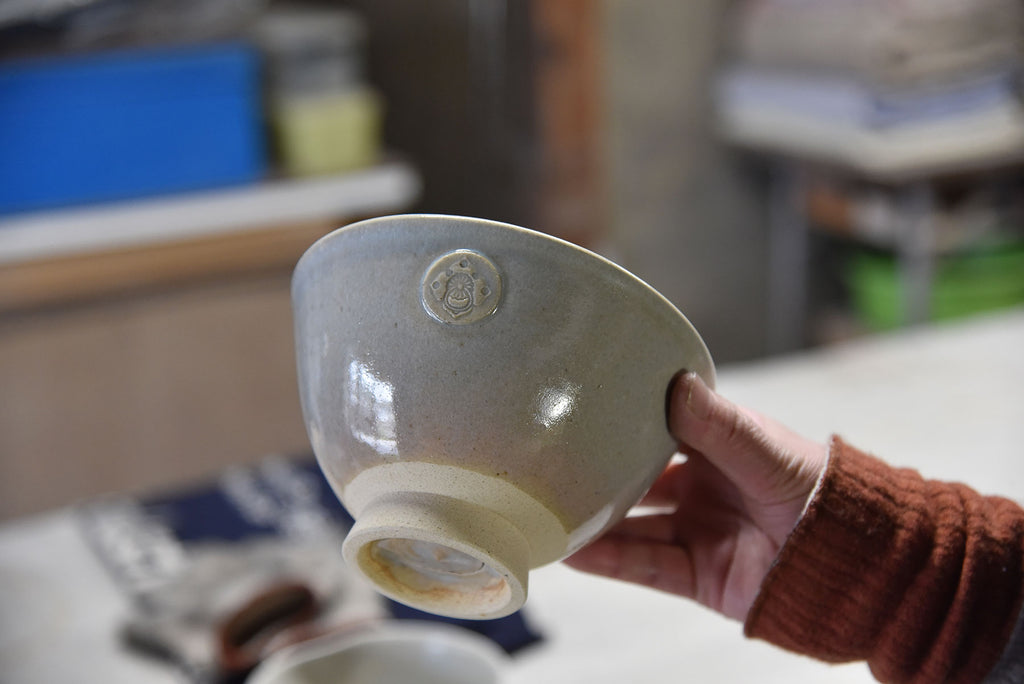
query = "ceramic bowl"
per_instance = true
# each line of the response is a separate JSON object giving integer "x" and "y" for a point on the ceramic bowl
{"x": 405, "y": 652}
{"x": 483, "y": 398}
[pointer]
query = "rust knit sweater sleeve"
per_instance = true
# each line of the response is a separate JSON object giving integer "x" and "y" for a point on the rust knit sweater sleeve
{"x": 921, "y": 579}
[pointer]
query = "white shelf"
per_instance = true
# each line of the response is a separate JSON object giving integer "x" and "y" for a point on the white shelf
{"x": 985, "y": 140}
{"x": 386, "y": 187}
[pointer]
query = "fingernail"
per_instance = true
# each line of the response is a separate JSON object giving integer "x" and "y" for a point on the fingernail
{"x": 698, "y": 396}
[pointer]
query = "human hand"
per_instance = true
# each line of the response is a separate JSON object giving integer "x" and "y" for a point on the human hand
{"x": 730, "y": 506}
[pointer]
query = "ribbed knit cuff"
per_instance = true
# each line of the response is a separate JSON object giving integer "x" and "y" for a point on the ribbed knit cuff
{"x": 921, "y": 579}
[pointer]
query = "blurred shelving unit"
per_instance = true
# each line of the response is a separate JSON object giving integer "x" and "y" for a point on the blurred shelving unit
{"x": 148, "y": 343}
{"x": 911, "y": 181}
{"x": 905, "y": 100}
{"x": 54, "y": 257}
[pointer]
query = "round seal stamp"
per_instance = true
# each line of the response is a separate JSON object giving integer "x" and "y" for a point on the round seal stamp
{"x": 461, "y": 287}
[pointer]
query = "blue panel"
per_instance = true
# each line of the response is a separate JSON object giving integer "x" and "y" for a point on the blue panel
{"x": 128, "y": 124}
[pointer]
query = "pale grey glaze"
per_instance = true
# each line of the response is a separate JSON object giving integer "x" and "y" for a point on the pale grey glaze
{"x": 561, "y": 390}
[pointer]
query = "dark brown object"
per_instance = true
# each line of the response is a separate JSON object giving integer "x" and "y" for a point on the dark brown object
{"x": 244, "y": 636}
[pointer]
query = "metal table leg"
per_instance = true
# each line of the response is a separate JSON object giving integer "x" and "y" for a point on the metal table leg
{"x": 917, "y": 251}
{"x": 788, "y": 249}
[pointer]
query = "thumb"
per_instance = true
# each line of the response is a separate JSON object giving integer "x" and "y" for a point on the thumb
{"x": 764, "y": 459}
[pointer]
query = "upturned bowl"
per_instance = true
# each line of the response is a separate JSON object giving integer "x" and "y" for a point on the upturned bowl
{"x": 484, "y": 399}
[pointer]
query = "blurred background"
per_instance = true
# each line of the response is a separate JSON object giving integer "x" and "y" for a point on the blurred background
{"x": 789, "y": 173}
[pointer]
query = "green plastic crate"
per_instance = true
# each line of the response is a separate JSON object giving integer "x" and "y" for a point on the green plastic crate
{"x": 986, "y": 278}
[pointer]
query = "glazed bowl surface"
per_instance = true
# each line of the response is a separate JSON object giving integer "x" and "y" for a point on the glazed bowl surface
{"x": 483, "y": 398}
{"x": 399, "y": 652}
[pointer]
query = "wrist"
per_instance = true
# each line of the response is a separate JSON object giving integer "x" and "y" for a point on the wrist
{"x": 908, "y": 574}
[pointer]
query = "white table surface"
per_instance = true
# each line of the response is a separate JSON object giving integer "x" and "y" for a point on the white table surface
{"x": 948, "y": 400}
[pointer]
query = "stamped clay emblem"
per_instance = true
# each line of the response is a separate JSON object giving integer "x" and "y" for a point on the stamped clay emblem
{"x": 461, "y": 287}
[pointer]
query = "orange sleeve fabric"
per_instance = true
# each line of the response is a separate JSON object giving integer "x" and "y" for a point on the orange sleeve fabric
{"x": 922, "y": 579}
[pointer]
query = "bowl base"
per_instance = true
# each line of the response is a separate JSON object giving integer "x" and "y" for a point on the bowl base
{"x": 441, "y": 555}
{"x": 446, "y": 539}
